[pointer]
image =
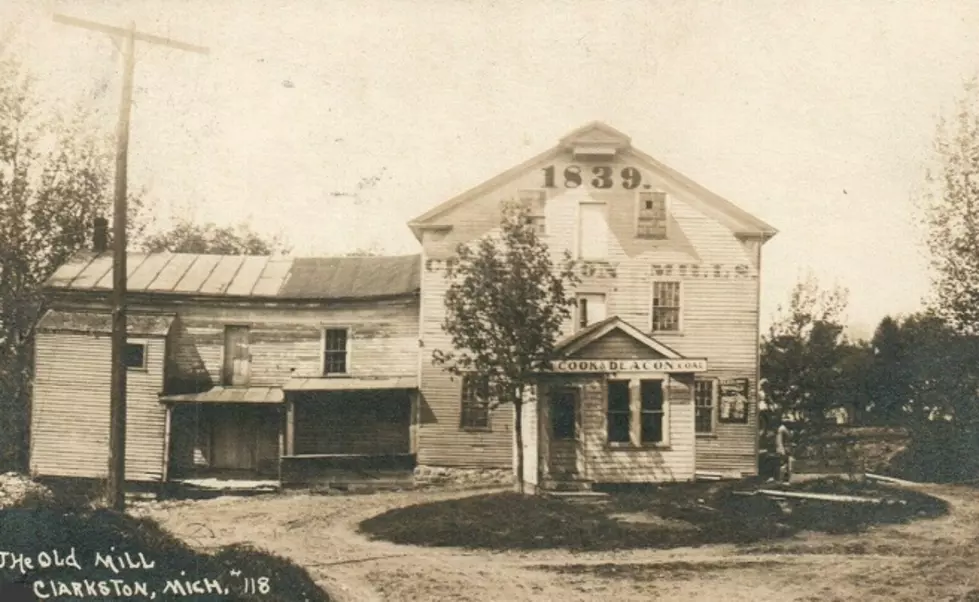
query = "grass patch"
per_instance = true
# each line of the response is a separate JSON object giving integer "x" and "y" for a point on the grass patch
{"x": 42, "y": 534}
{"x": 669, "y": 516}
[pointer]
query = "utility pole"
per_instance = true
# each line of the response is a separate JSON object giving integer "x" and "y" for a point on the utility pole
{"x": 117, "y": 395}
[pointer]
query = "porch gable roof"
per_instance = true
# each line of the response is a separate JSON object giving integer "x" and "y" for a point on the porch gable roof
{"x": 599, "y": 330}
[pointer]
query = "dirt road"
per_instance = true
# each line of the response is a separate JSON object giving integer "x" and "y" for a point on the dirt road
{"x": 926, "y": 560}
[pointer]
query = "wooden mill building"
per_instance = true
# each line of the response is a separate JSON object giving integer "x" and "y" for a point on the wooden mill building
{"x": 286, "y": 367}
{"x": 659, "y": 373}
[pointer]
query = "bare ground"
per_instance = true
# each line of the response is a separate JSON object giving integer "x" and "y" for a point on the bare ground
{"x": 934, "y": 559}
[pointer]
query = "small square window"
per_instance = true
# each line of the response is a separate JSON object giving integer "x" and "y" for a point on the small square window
{"x": 134, "y": 356}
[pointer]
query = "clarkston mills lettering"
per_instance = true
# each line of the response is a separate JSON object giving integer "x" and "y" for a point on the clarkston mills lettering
{"x": 663, "y": 365}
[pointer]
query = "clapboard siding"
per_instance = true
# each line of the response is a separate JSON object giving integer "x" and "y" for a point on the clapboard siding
{"x": 288, "y": 341}
{"x": 719, "y": 314}
{"x": 70, "y": 412}
{"x": 637, "y": 464}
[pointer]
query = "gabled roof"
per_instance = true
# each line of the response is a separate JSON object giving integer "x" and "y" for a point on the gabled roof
{"x": 597, "y": 133}
{"x": 596, "y": 331}
{"x": 315, "y": 278}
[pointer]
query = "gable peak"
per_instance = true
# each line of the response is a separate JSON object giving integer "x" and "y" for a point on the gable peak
{"x": 596, "y": 132}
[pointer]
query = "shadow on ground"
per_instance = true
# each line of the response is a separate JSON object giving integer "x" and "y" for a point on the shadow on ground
{"x": 669, "y": 516}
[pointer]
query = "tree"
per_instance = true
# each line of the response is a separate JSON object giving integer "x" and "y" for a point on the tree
{"x": 505, "y": 305}
{"x": 55, "y": 178}
{"x": 889, "y": 381}
{"x": 188, "y": 237}
{"x": 801, "y": 358}
{"x": 951, "y": 214}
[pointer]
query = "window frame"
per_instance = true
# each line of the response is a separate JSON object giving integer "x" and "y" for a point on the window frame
{"x": 679, "y": 307}
{"x": 662, "y": 412}
{"x": 145, "y": 344}
{"x": 639, "y": 209}
{"x": 698, "y": 408}
{"x": 536, "y": 208}
{"x": 575, "y": 394}
{"x": 586, "y": 296}
{"x": 464, "y": 400}
{"x": 578, "y": 254}
{"x": 628, "y": 442}
{"x": 324, "y": 351}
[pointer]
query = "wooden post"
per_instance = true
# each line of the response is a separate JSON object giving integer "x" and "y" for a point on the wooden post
{"x": 290, "y": 428}
{"x": 117, "y": 394}
{"x": 167, "y": 445}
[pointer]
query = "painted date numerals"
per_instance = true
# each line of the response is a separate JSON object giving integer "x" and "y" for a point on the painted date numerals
{"x": 600, "y": 176}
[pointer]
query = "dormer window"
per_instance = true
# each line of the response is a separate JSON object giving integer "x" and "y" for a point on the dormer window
{"x": 535, "y": 201}
{"x": 651, "y": 215}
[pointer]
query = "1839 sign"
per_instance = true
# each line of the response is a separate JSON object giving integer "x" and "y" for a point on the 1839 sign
{"x": 602, "y": 177}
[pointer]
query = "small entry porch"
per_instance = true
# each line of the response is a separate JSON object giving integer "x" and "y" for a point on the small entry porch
{"x": 614, "y": 407}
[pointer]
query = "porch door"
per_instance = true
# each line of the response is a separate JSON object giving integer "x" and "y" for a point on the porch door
{"x": 245, "y": 438}
{"x": 565, "y": 432}
{"x": 237, "y": 357}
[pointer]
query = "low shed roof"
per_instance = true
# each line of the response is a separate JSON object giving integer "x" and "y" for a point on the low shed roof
{"x": 137, "y": 324}
{"x": 246, "y": 276}
{"x": 229, "y": 395}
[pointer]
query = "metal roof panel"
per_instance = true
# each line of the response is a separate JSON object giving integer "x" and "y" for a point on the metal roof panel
{"x": 197, "y": 274}
{"x": 224, "y": 272}
{"x": 248, "y": 275}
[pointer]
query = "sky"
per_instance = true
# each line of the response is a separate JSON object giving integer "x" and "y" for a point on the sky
{"x": 334, "y": 123}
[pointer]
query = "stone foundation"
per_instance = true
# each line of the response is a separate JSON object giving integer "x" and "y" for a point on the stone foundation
{"x": 463, "y": 477}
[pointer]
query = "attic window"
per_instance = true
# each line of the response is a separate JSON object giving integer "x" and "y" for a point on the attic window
{"x": 534, "y": 202}
{"x": 651, "y": 218}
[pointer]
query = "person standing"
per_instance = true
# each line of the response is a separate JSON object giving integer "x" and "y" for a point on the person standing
{"x": 783, "y": 447}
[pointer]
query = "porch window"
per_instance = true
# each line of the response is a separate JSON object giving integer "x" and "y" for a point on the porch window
{"x": 704, "y": 395}
{"x": 651, "y": 215}
{"x": 134, "y": 356}
{"x": 534, "y": 201}
{"x": 474, "y": 405}
{"x": 651, "y": 392}
{"x": 619, "y": 414}
{"x": 336, "y": 351}
{"x": 563, "y": 414}
{"x": 666, "y": 306}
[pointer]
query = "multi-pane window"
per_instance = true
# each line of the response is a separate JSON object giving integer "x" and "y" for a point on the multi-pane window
{"x": 651, "y": 411}
{"x": 703, "y": 398}
{"x": 619, "y": 412}
{"x": 651, "y": 217}
{"x": 534, "y": 201}
{"x": 474, "y": 404}
{"x": 563, "y": 413}
{"x": 335, "y": 351}
{"x": 666, "y": 306}
{"x": 134, "y": 356}
{"x": 591, "y": 309}
{"x": 642, "y": 423}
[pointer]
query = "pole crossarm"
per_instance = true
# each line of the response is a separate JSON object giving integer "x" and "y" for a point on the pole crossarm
{"x": 117, "y": 396}
{"x": 123, "y": 32}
